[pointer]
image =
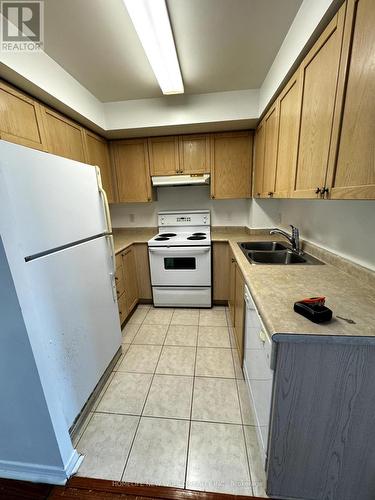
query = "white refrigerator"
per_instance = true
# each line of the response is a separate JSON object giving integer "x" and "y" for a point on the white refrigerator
{"x": 56, "y": 232}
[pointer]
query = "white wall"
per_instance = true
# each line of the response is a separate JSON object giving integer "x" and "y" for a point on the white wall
{"x": 345, "y": 227}
{"x": 223, "y": 212}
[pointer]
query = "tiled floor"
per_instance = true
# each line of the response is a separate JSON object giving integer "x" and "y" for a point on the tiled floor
{"x": 175, "y": 411}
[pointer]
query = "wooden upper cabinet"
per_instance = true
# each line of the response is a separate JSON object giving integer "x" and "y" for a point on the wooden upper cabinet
{"x": 64, "y": 137}
{"x": 194, "y": 154}
{"x": 231, "y": 165}
{"x": 271, "y": 126}
{"x": 131, "y": 164}
{"x": 20, "y": 119}
{"x": 289, "y": 104}
{"x": 319, "y": 72}
{"x": 258, "y": 160}
{"x": 98, "y": 154}
{"x": 163, "y": 154}
{"x": 353, "y": 175}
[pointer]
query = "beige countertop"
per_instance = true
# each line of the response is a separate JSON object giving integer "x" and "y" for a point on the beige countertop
{"x": 276, "y": 288}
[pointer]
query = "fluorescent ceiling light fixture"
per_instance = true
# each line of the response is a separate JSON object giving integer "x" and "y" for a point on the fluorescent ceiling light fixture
{"x": 151, "y": 22}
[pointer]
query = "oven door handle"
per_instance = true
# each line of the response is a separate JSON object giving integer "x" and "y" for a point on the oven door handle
{"x": 182, "y": 250}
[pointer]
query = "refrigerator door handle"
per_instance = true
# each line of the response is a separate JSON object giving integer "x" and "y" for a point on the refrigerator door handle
{"x": 103, "y": 194}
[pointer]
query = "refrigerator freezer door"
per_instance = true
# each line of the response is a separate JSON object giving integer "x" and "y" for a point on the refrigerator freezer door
{"x": 51, "y": 201}
{"x": 78, "y": 325}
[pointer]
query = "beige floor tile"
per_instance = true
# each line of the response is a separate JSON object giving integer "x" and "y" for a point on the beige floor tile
{"x": 125, "y": 347}
{"x": 176, "y": 361}
{"x": 106, "y": 443}
{"x": 160, "y": 316}
{"x": 182, "y": 335}
{"x": 169, "y": 396}
{"x": 126, "y": 393}
{"x": 158, "y": 455}
{"x": 138, "y": 315}
{"x": 248, "y": 417}
{"x": 214, "y": 362}
{"x": 151, "y": 334}
{"x": 185, "y": 317}
{"x": 216, "y": 400}
{"x": 217, "y": 459}
{"x": 237, "y": 365}
{"x": 129, "y": 332}
{"x": 212, "y": 317}
{"x": 140, "y": 359}
{"x": 213, "y": 336}
{"x": 257, "y": 473}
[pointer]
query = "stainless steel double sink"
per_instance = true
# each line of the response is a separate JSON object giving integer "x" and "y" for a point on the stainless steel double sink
{"x": 274, "y": 252}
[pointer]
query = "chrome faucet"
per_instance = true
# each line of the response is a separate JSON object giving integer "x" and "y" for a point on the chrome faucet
{"x": 293, "y": 239}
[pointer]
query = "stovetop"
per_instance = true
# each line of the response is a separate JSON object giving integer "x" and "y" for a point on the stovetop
{"x": 190, "y": 238}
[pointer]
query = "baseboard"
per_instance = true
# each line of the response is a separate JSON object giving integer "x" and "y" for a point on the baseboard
{"x": 37, "y": 473}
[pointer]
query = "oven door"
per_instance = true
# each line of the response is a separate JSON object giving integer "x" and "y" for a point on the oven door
{"x": 180, "y": 266}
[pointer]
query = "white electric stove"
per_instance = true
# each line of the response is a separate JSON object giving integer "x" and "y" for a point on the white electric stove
{"x": 180, "y": 259}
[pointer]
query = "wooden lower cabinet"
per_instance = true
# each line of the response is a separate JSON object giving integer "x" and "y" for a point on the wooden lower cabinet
{"x": 130, "y": 278}
{"x": 239, "y": 312}
{"x": 232, "y": 286}
{"x": 220, "y": 271}
{"x": 142, "y": 266}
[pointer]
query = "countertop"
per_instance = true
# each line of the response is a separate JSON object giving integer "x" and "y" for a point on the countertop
{"x": 276, "y": 288}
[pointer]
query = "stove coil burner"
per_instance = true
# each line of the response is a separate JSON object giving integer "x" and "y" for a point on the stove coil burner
{"x": 193, "y": 237}
{"x": 161, "y": 238}
{"x": 166, "y": 235}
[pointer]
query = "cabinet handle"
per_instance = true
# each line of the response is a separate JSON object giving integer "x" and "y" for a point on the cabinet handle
{"x": 270, "y": 193}
{"x": 233, "y": 260}
{"x": 116, "y": 278}
{"x": 258, "y": 194}
{"x": 317, "y": 191}
{"x": 213, "y": 196}
{"x": 325, "y": 190}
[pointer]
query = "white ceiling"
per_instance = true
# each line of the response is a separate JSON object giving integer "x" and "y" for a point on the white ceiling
{"x": 222, "y": 44}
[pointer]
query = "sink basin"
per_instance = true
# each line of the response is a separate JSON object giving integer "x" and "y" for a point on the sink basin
{"x": 273, "y": 252}
{"x": 283, "y": 257}
{"x": 271, "y": 246}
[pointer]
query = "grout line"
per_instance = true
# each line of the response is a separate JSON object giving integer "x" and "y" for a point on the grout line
{"x": 144, "y": 403}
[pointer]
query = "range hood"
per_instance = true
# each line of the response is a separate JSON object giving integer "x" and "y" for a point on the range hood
{"x": 181, "y": 180}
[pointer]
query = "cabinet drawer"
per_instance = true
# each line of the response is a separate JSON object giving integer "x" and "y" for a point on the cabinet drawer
{"x": 122, "y": 307}
{"x": 120, "y": 284}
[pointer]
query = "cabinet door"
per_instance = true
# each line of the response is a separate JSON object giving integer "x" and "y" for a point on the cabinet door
{"x": 239, "y": 313}
{"x": 130, "y": 279}
{"x": 98, "y": 154}
{"x": 354, "y": 174}
{"x": 259, "y": 161}
{"x": 319, "y": 72}
{"x": 231, "y": 165}
{"x": 194, "y": 152}
{"x": 163, "y": 154}
{"x": 232, "y": 287}
{"x": 289, "y": 104}
{"x": 142, "y": 266}
{"x": 220, "y": 271}
{"x": 271, "y": 127}
{"x": 130, "y": 160}
{"x": 20, "y": 119}
{"x": 64, "y": 137}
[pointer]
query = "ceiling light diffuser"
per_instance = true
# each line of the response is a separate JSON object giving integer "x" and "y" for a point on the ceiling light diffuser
{"x": 151, "y": 22}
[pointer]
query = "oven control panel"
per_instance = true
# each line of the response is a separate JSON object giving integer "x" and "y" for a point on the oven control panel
{"x": 191, "y": 218}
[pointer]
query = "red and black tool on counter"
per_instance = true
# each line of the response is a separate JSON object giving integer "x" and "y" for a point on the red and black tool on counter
{"x": 314, "y": 309}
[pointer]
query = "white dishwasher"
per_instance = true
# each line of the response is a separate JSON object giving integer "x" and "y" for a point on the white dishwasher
{"x": 257, "y": 369}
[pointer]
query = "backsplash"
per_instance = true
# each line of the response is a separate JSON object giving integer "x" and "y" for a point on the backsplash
{"x": 223, "y": 212}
